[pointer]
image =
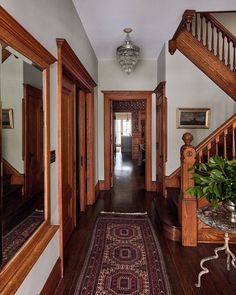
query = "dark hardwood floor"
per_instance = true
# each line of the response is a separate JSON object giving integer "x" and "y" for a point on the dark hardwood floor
{"x": 128, "y": 195}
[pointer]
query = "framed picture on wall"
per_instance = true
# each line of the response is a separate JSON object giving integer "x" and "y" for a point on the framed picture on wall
{"x": 193, "y": 118}
{"x": 7, "y": 118}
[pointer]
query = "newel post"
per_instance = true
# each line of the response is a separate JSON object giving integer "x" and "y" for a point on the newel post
{"x": 188, "y": 204}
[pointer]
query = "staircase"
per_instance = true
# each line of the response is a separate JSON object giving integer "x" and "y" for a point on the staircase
{"x": 177, "y": 212}
{"x": 210, "y": 46}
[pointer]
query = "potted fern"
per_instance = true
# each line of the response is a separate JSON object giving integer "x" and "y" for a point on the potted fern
{"x": 216, "y": 180}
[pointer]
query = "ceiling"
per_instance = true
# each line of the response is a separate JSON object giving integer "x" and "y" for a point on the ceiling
{"x": 153, "y": 21}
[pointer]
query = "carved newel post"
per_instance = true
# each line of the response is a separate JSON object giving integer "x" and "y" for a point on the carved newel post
{"x": 188, "y": 204}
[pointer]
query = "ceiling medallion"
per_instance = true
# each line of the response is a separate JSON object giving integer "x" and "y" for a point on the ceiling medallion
{"x": 127, "y": 54}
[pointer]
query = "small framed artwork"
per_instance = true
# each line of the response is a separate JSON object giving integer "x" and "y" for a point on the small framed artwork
{"x": 193, "y": 118}
{"x": 7, "y": 118}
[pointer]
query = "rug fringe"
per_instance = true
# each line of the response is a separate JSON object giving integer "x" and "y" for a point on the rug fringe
{"x": 124, "y": 213}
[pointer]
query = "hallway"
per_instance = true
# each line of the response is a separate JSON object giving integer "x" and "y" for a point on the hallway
{"x": 128, "y": 195}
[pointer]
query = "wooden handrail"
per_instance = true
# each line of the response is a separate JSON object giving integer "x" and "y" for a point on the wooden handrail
{"x": 219, "y": 26}
{"x": 216, "y": 133}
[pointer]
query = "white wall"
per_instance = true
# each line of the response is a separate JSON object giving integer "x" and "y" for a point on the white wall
{"x": 187, "y": 87}
{"x": 111, "y": 77}
{"x": 46, "y": 21}
{"x": 11, "y": 96}
{"x": 161, "y": 65}
{"x": 32, "y": 76}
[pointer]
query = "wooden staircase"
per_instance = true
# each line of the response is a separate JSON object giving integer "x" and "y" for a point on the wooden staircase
{"x": 210, "y": 46}
{"x": 177, "y": 212}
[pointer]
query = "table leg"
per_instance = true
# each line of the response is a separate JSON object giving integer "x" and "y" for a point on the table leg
{"x": 216, "y": 256}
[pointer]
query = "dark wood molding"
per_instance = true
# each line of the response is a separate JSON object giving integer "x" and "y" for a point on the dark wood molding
{"x": 110, "y": 96}
{"x": 53, "y": 279}
{"x": 154, "y": 186}
{"x": 71, "y": 63}
{"x": 173, "y": 180}
{"x": 15, "y": 271}
{"x": 13, "y": 34}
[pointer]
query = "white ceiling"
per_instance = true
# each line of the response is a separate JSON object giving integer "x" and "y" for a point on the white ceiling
{"x": 153, "y": 21}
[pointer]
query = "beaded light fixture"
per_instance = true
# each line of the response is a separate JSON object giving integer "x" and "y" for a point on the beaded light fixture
{"x": 128, "y": 53}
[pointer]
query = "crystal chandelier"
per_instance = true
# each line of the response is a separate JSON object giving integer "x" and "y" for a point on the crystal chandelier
{"x": 127, "y": 54}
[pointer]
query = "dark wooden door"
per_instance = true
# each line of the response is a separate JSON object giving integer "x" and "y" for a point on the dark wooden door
{"x": 33, "y": 140}
{"x": 68, "y": 158}
{"x": 161, "y": 140}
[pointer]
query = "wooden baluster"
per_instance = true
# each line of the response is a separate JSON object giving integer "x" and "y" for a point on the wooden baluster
{"x": 208, "y": 151}
{"x": 200, "y": 156}
{"x": 201, "y": 29}
{"x": 225, "y": 143}
{"x": 217, "y": 145}
{"x": 207, "y": 42}
{"x": 196, "y": 25}
{"x": 233, "y": 142}
{"x": 188, "y": 204}
{"x": 228, "y": 58}
{"x": 218, "y": 43}
{"x": 223, "y": 47}
{"x": 212, "y": 39}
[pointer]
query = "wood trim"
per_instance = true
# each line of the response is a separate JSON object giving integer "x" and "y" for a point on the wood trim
{"x": 74, "y": 66}
{"x": 53, "y": 279}
{"x": 13, "y": 34}
{"x": 173, "y": 180}
{"x": 15, "y": 271}
{"x": 96, "y": 190}
{"x": 17, "y": 177}
{"x": 90, "y": 148}
{"x": 110, "y": 96}
{"x": 70, "y": 63}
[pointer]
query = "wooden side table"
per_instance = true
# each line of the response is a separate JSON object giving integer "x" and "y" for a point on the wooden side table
{"x": 219, "y": 219}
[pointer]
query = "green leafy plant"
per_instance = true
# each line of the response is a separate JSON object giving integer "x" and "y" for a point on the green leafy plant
{"x": 215, "y": 180}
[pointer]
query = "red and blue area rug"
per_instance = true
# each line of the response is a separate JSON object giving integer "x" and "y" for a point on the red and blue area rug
{"x": 124, "y": 258}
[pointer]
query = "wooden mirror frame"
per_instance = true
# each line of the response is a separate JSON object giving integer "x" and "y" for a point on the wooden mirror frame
{"x": 14, "y": 272}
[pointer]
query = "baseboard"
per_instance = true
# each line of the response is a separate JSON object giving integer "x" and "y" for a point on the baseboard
{"x": 173, "y": 180}
{"x": 101, "y": 185}
{"x": 154, "y": 186}
{"x": 53, "y": 279}
{"x": 96, "y": 190}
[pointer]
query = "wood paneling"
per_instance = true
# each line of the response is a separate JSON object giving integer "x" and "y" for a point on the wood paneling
{"x": 110, "y": 96}
{"x": 15, "y": 271}
{"x": 53, "y": 279}
{"x": 16, "y": 176}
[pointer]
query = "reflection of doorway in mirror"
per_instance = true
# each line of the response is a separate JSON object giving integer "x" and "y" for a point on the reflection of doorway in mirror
{"x": 22, "y": 166}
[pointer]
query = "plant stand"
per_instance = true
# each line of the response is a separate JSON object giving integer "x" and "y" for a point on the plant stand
{"x": 219, "y": 219}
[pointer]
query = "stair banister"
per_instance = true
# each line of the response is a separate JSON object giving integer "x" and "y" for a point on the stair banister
{"x": 187, "y": 203}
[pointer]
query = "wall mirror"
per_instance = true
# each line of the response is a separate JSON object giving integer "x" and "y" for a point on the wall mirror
{"x": 22, "y": 160}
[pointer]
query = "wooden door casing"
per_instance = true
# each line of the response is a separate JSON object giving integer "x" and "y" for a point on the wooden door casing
{"x": 68, "y": 159}
{"x": 161, "y": 138}
{"x": 33, "y": 140}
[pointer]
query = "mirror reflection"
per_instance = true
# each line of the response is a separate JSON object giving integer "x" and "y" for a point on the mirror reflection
{"x": 22, "y": 171}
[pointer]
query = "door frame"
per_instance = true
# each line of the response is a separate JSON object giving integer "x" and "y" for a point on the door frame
{"x": 110, "y": 96}
{"x": 69, "y": 62}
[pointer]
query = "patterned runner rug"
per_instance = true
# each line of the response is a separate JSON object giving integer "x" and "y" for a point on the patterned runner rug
{"x": 124, "y": 258}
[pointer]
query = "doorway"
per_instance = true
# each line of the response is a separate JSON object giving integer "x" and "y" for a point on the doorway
{"x": 111, "y": 97}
